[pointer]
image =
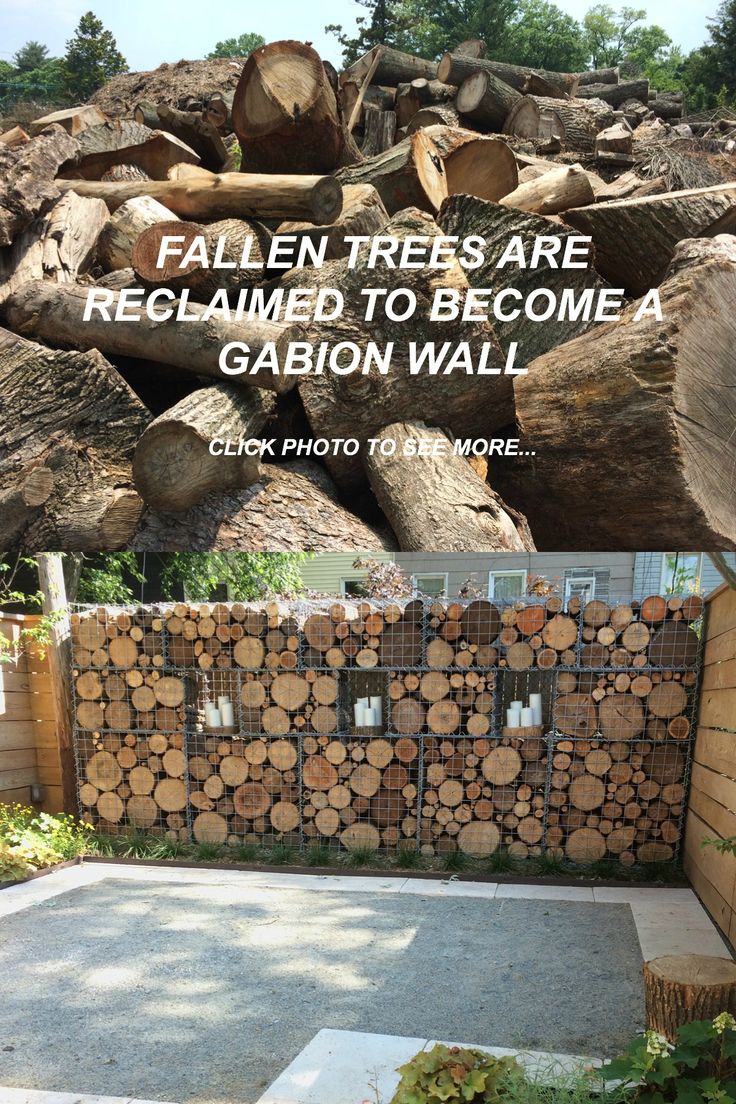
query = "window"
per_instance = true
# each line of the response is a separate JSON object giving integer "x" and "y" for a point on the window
{"x": 353, "y": 588}
{"x": 506, "y": 584}
{"x": 431, "y": 585}
{"x": 681, "y": 572}
{"x": 582, "y": 587}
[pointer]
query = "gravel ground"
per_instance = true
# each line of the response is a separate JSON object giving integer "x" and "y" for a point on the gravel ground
{"x": 191, "y": 993}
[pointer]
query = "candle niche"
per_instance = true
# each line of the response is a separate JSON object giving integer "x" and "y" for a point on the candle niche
{"x": 364, "y": 701}
{"x": 219, "y": 704}
{"x": 525, "y": 703}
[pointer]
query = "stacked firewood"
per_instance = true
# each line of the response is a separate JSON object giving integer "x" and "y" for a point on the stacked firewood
{"x": 602, "y": 775}
{"x": 398, "y": 145}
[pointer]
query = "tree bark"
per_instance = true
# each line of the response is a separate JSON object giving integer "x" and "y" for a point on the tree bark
{"x": 475, "y": 164}
{"x": 293, "y": 507}
{"x": 173, "y": 468}
{"x": 464, "y": 215}
{"x": 229, "y": 195}
{"x": 651, "y": 227}
{"x": 663, "y": 387}
{"x": 55, "y": 314}
{"x": 285, "y": 112}
{"x": 617, "y": 94}
{"x": 359, "y": 405}
{"x": 219, "y": 111}
{"x": 27, "y": 184}
{"x": 575, "y": 122}
{"x": 455, "y": 68}
{"x": 405, "y": 176}
{"x": 70, "y": 426}
{"x": 73, "y": 119}
{"x": 486, "y": 100}
{"x": 599, "y": 76}
{"x": 558, "y": 190}
{"x": 115, "y": 247}
{"x": 363, "y": 213}
{"x": 394, "y": 67}
{"x": 442, "y": 114}
{"x": 679, "y": 989}
{"x": 197, "y": 134}
{"x": 379, "y": 132}
{"x": 438, "y": 501}
{"x": 128, "y": 143}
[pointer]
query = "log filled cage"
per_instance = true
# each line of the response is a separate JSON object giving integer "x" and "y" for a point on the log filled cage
{"x": 533, "y": 726}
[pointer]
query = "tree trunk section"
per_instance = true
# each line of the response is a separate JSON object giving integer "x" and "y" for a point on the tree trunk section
{"x": 27, "y": 184}
{"x": 475, "y": 164}
{"x": 575, "y": 122}
{"x": 439, "y": 501}
{"x": 197, "y": 134}
{"x": 680, "y": 989}
{"x": 664, "y": 388}
{"x": 54, "y": 313}
{"x": 617, "y": 94}
{"x": 293, "y": 507}
{"x": 379, "y": 131}
{"x": 229, "y": 195}
{"x": 363, "y": 213}
{"x": 557, "y": 190}
{"x": 407, "y": 175}
{"x": 71, "y": 425}
{"x": 115, "y": 247}
{"x": 394, "y": 67}
{"x": 285, "y": 112}
{"x": 455, "y": 68}
{"x": 652, "y": 227}
{"x": 173, "y": 468}
{"x": 486, "y": 100}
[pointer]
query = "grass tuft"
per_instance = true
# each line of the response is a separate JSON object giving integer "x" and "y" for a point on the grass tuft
{"x": 361, "y": 856}
{"x": 318, "y": 854}
{"x": 281, "y": 854}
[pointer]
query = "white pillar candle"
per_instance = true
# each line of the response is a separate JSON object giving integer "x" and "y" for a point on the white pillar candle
{"x": 228, "y": 714}
{"x": 377, "y": 707}
{"x": 359, "y": 710}
{"x": 222, "y": 698}
{"x": 208, "y": 707}
{"x": 365, "y": 702}
{"x": 215, "y": 718}
{"x": 369, "y": 718}
{"x": 513, "y": 718}
{"x": 527, "y": 717}
{"x": 517, "y": 705}
{"x": 535, "y": 704}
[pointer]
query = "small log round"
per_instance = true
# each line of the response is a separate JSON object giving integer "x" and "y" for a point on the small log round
{"x": 680, "y": 989}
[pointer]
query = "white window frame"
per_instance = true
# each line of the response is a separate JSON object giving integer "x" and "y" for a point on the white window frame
{"x": 665, "y": 570}
{"x": 444, "y": 575}
{"x": 577, "y": 579}
{"x": 350, "y": 579}
{"x": 493, "y": 575}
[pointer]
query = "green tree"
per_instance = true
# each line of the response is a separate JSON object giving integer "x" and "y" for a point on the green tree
{"x": 92, "y": 57}
{"x": 721, "y": 51}
{"x": 608, "y": 34}
{"x": 386, "y": 24}
{"x": 31, "y": 56}
{"x": 241, "y": 46}
{"x": 452, "y": 21}
{"x": 543, "y": 36}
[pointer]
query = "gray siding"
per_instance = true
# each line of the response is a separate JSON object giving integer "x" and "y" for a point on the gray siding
{"x": 648, "y": 573}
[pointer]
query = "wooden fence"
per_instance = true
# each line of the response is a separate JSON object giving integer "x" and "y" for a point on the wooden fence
{"x": 712, "y": 803}
{"x": 29, "y": 752}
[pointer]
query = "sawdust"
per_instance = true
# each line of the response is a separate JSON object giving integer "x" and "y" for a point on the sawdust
{"x": 176, "y": 84}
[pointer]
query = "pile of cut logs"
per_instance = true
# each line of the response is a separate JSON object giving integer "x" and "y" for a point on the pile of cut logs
{"x": 106, "y": 425}
{"x": 603, "y": 775}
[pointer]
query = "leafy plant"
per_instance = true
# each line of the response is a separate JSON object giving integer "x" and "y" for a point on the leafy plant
{"x": 453, "y": 1073}
{"x": 699, "y": 1068}
{"x": 30, "y": 841}
{"x": 238, "y": 47}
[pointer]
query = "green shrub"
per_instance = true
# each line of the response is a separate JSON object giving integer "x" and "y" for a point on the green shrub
{"x": 30, "y": 840}
{"x": 453, "y": 1073}
{"x": 700, "y": 1068}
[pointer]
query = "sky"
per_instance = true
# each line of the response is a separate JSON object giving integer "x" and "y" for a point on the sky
{"x": 149, "y": 32}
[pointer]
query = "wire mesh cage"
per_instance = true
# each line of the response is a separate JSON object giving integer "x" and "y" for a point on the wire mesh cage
{"x": 530, "y": 725}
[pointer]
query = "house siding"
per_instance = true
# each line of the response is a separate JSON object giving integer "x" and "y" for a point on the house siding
{"x": 648, "y": 573}
{"x": 324, "y": 571}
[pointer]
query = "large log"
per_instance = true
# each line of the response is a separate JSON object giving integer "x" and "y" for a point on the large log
{"x": 363, "y": 213}
{"x": 475, "y": 164}
{"x": 575, "y": 122}
{"x": 486, "y": 100}
{"x": 173, "y": 467}
{"x": 394, "y": 67}
{"x": 73, "y": 119}
{"x": 54, "y": 314}
{"x": 464, "y": 215}
{"x": 197, "y": 134}
{"x": 285, "y": 112}
{"x": 598, "y": 76}
{"x": 115, "y": 247}
{"x": 438, "y": 501}
{"x": 379, "y": 131}
{"x": 455, "y": 68}
{"x": 27, "y": 184}
{"x": 651, "y": 228}
{"x": 292, "y": 507}
{"x": 155, "y": 151}
{"x": 219, "y": 110}
{"x": 358, "y": 405}
{"x": 662, "y": 386}
{"x": 561, "y": 188}
{"x": 58, "y": 246}
{"x": 408, "y": 175}
{"x": 14, "y": 137}
{"x": 227, "y": 195}
{"x": 441, "y": 114}
{"x": 617, "y": 94}
{"x": 70, "y": 424}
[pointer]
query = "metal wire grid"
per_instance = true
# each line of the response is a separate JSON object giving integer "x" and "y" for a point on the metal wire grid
{"x": 91, "y": 742}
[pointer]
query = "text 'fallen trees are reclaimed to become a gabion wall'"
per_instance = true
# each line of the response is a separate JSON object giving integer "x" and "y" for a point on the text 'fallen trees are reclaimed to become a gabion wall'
{"x": 432, "y": 725}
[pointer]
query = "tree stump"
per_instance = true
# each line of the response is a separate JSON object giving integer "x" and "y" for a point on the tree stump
{"x": 682, "y": 988}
